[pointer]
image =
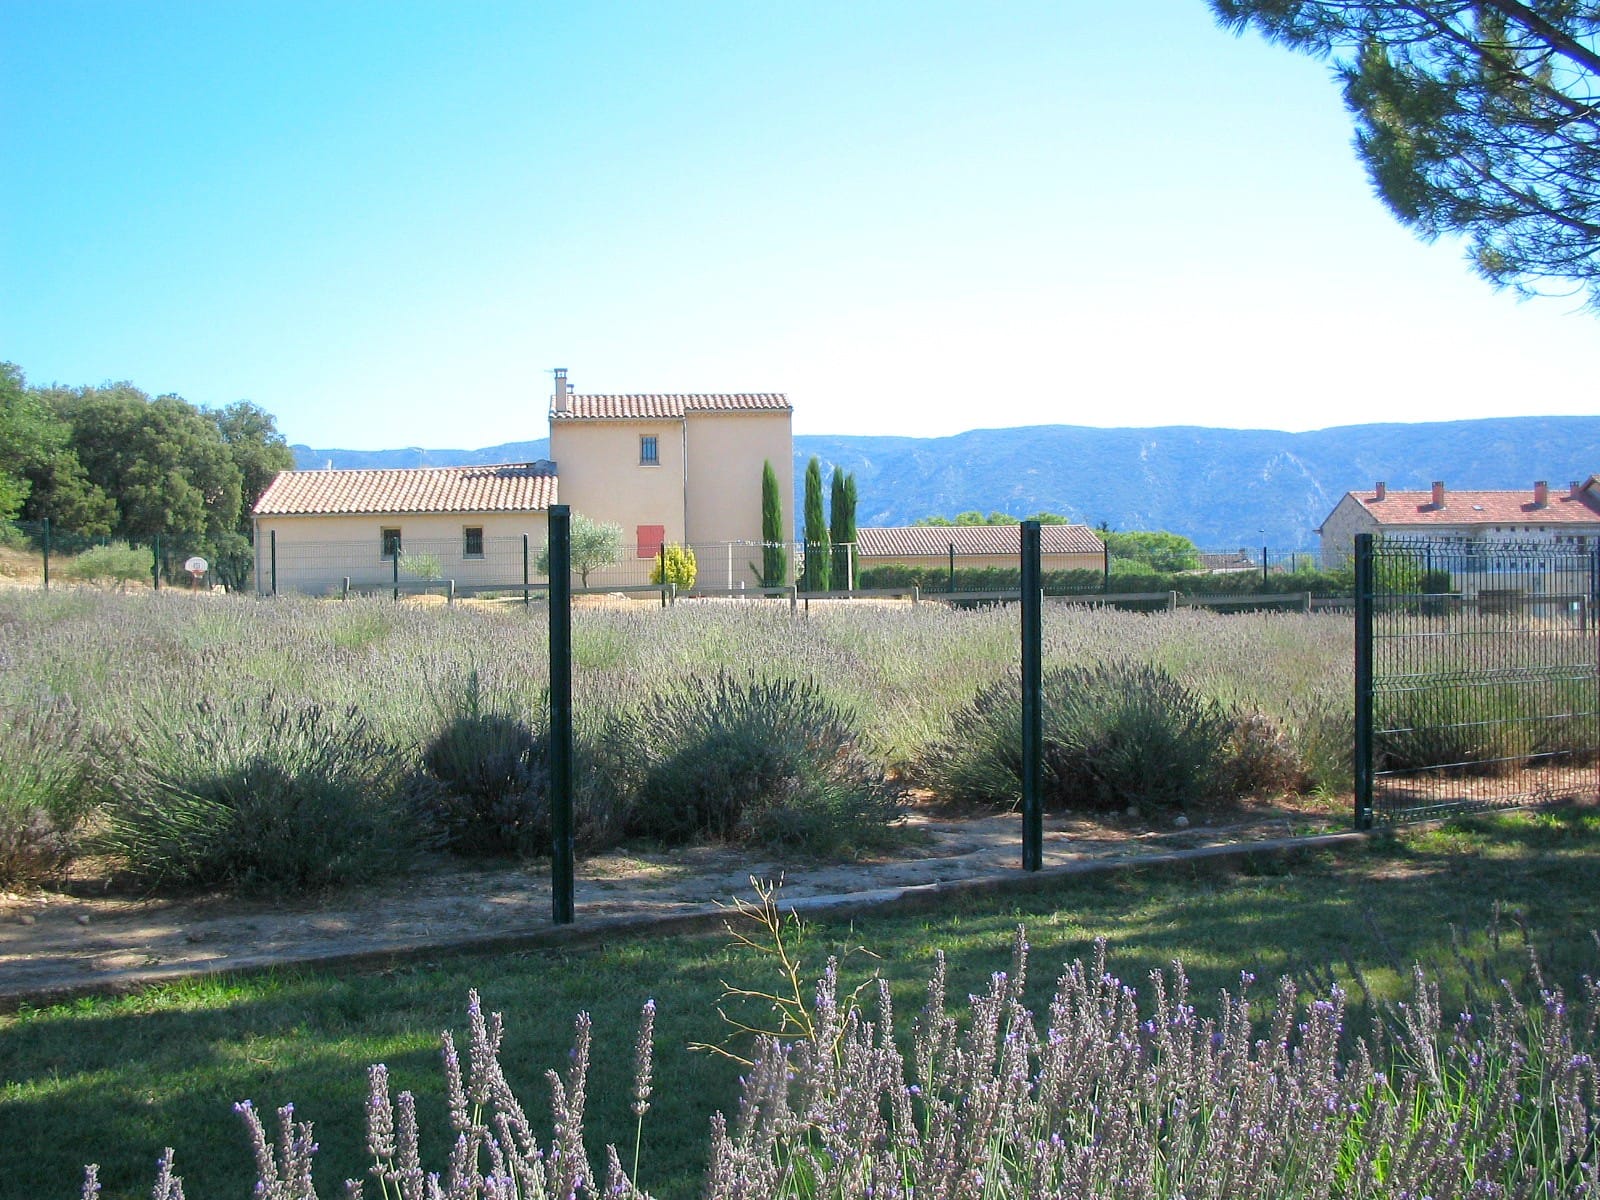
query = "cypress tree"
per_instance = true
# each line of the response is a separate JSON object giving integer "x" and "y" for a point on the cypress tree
{"x": 774, "y": 564}
{"x": 818, "y": 548}
{"x": 842, "y": 527}
{"x": 850, "y": 524}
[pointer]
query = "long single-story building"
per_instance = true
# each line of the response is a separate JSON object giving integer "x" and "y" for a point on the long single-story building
{"x": 1061, "y": 547}
{"x": 316, "y": 529}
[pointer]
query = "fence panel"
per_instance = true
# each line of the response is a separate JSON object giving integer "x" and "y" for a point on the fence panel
{"x": 1478, "y": 675}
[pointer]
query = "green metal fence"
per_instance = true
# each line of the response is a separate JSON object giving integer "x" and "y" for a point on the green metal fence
{"x": 1477, "y": 675}
{"x": 38, "y": 554}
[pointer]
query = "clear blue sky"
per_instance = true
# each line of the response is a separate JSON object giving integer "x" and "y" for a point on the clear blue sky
{"x": 386, "y": 222}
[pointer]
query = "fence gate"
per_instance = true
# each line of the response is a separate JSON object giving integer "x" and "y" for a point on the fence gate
{"x": 1477, "y": 675}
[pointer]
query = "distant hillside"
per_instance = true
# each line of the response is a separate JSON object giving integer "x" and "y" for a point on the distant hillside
{"x": 308, "y": 459}
{"x": 1220, "y": 487}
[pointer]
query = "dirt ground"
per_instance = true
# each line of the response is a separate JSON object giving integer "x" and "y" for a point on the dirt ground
{"x": 58, "y": 944}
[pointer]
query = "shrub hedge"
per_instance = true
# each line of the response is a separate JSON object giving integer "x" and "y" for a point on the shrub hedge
{"x": 934, "y": 578}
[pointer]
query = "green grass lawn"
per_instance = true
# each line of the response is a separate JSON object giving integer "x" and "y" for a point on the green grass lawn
{"x": 114, "y": 1081}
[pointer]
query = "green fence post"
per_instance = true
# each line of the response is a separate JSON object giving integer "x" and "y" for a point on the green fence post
{"x": 1594, "y": 587}
{"x": 47, "y": 554}
{"x": 272, "y": 546}
{"x": 952, "y": 586}
{"x": 524, "y": 570}
{"x": 560, "y": 549}
{"x": 155, "y": 562}
{"x": 1363, "y": 674}
{"x": 1032, "y": 701}
{"x": 394, "y": 563}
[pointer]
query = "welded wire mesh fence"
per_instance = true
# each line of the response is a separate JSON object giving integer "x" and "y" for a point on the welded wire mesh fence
{"x": 472, "y": 564}
{"x": 1478, "y": 675}
{"x": 35, "y": 553}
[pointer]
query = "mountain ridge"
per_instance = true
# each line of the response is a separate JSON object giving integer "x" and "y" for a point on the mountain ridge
{"x": 1222, "y": 488}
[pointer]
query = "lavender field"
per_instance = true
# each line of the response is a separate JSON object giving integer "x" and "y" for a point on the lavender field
{"x": 116, "y": 711}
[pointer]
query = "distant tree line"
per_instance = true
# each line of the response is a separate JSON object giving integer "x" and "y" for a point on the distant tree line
{"x": 112, "y": 461}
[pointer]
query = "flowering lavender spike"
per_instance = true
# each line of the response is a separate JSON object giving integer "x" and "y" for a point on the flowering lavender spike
{"x": 642, "y": 1059}
{"x": 380, "y": 1114}
{"x": 168, "y": 1186}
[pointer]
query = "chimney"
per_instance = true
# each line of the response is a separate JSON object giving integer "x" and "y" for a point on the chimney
{"x": 1575, "y": 488}
{"x": 562, "y": 400}
{"x": 1382, "y": 490}
{"x": 1541, "y": 494}
{"x": 1438, "y": 493}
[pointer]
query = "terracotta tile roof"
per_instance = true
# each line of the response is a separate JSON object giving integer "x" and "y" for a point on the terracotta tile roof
{"x": 908, "y": 541}
{"x": 667, "y": 407}
{"x": 1480, "y": 508}
{"x": 513, "y": 487}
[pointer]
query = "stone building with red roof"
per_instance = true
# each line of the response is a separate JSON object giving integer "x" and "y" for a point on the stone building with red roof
{"x": 1569, "y": 517}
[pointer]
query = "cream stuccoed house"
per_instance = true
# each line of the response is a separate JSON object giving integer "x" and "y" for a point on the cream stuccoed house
{"x": 667, "y": 468}
{"x": 676, "y": 468}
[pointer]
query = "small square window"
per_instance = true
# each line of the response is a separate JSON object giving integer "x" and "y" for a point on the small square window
{"x": 648, "y": 456}
{"x": 390, "y": 541}
{"x": 472, "y": 543}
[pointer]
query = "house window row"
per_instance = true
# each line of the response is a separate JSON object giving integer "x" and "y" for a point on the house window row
{"x": 389, "y": 542}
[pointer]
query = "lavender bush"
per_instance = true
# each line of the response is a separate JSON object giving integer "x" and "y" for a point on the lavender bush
{"x": 770, "y": 761}
{"x": 49, "y": 787}
{"x": 255, "y": 795}
{"x": 1106, "y": 1096}
{"x": 1115, "y": 734}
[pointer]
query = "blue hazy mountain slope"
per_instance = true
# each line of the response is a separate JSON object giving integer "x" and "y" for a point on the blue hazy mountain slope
{"x": 1220, "y": 487}
{"x": 307, "y": 459}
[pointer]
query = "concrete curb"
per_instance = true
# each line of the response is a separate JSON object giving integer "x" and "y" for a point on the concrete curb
{"x": 596, "y": 930}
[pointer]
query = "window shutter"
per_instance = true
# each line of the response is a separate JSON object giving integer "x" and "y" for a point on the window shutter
{"x": 650, "y": 538}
